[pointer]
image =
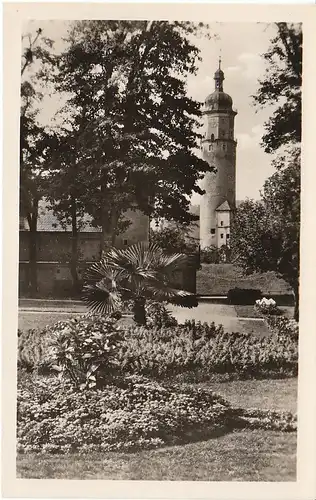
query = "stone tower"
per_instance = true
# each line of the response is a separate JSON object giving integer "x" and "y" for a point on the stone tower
{"x": 219, "y": 150}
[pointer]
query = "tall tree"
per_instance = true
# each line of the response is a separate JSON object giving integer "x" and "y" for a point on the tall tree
{"x": 33, "y": 141}
{"x": 272, "y": 242}
{"x": 141, "y": 128}
{"x": 281, "y": 88}
{"x": 265, "y": 235}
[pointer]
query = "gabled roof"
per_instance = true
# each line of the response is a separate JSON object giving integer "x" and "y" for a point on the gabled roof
{"x": 224, "y": 207}
{"x": 47, "y": 221}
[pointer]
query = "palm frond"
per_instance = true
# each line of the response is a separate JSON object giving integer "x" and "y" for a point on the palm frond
{"x": 100, "y": 300}
{"x": 141, "y": 270}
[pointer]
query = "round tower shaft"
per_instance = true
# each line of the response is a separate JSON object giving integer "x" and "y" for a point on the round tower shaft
{"x": 219, "y": 150}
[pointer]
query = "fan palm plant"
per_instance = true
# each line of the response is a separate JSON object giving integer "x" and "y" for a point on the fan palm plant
{"x": 135, "y": 274}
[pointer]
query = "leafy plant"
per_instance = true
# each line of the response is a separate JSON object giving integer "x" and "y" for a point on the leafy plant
{"x": 158, "y": 315}
{"x": 136, "y": 274}
{"x": 84, "y": 350}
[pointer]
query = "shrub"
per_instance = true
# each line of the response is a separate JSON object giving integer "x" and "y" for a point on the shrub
{"x": 282, "y": 326}
{"x": 81, "y": 349}
{"x": 33, "y": 350}
{"x": 84, "y": 350}
{"x": 54, "y": 418}
{"x": 158, "y": 315}
{"x": 209, "y": 255}
{"x": 243, "y": 296}
{"x": 267, "y": 306}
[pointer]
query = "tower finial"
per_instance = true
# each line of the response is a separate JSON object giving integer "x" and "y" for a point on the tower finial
{"x": 219, "y": 75}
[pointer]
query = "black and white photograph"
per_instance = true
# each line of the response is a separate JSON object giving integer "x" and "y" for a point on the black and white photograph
{"x": 159, "y": 283}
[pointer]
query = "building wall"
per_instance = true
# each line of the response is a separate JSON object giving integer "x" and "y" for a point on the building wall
{"x": 138, "y": 231}
{"x": 56, "y": 246}
{"x": 222, "y": 228}
{"x": 54, "y": 278}
{"x": 219, "y": 150}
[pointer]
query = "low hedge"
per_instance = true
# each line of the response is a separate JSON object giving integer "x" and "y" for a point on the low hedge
{"x": 129, "y": 414}
{"x": 243, "y": 296}
{"x": 193, "y": 350}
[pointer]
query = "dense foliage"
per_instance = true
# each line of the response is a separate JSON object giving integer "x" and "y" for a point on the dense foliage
{"x": 281, "y": 87}
{"x": 265, "y": 234}
{"x": 192, "y": 351}
{"x": 174, "y": 238}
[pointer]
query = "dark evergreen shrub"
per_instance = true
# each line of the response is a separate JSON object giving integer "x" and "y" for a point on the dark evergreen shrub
{"x": 243, "y": 296}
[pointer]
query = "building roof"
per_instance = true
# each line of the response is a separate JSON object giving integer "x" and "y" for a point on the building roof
{"x": 48, "y": 222}
{"x": 224, "y": 207}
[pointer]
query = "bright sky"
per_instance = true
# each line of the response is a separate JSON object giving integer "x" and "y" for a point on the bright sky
{"x": 241, "y": 46}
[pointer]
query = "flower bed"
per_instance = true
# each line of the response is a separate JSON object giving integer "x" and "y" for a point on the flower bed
{"x": 132, "y": 415}
{"x": 90, "y": 348}
{"x": 129, "y": 414}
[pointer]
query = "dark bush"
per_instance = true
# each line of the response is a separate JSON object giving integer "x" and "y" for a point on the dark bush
{"x": 243, "y": 296}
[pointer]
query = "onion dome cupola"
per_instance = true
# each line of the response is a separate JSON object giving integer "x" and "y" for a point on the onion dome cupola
{"x": 219, "y": 100}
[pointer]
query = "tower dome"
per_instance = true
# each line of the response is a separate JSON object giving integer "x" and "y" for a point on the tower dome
{"x": 219, "y": 100}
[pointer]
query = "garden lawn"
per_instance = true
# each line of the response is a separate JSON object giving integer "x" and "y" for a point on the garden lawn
{"x": 239, "y": 456}
{"x": 218, "y": 279}
{"x": 250, "y": 312}
{"x": 279, "y": 394}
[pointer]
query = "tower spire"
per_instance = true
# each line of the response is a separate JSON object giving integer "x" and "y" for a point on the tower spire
{"x": 219, "y": 75}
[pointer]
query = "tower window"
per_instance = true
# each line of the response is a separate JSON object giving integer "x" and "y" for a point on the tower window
{"x": 212, "y": 137}
{"x": 222, "y": 235}
{"x": 125, "y": 242}
{"x": 227, "y": 236}
{"x": 210, "y": 147}
{"x": 212, "y": 231}
{"x": 222, "y": 223}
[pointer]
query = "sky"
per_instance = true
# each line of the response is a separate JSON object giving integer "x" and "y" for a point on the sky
{"x": 241, "y": 46}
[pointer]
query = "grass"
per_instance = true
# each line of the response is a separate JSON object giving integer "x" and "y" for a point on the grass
{"x": 34, "y": 320}
{"x": 217, "y": 279}
{"x": 250, "y": 312}
{"x": 237, "y": 456}
{"x": 279, "y": 394}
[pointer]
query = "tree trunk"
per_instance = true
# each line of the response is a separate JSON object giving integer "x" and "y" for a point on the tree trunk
{"x": 139, "y": 311}
{"x": 33, "y": 250}
{"x": 74, "y": 248}
{"x": 113, "y": 225}
{"x": 296, "y": 301}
